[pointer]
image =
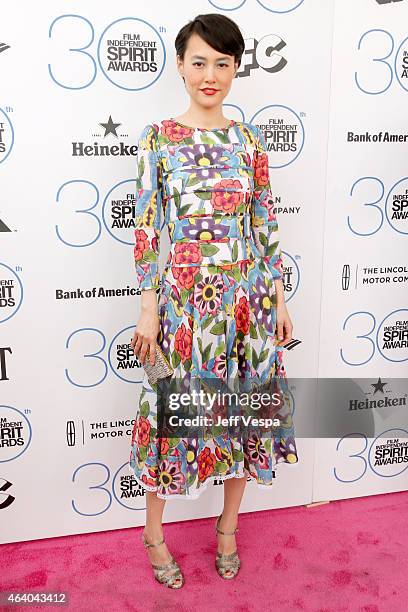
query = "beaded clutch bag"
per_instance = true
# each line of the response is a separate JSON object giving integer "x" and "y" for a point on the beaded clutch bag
{"x": 160, "y": 369}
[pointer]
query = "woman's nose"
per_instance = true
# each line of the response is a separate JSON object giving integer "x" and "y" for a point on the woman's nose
{"x": 209, "y": 75}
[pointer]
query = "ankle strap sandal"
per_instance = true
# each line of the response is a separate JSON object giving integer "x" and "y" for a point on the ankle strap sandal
{"x": 227, "y": 566}
{"x": 169, "y": 574}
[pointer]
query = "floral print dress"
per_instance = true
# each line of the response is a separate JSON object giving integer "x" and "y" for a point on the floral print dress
{"x": 217, "y": 297}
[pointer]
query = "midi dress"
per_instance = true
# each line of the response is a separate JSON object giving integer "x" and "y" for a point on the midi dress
{"x": 216, "y": 298}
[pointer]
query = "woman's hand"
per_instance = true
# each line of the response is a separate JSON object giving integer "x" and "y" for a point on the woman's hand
{"x": 145, "y": 336}
{"x": 284, "y": 325}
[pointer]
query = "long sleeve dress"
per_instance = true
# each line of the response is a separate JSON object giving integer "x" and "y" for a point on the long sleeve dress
{"x": 217, "y": 297}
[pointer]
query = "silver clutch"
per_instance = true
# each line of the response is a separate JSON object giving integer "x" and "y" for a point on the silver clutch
{"x": 160, "y": 369}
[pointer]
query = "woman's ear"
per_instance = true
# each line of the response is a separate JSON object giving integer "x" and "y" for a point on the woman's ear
{"x": 179, "y": 65}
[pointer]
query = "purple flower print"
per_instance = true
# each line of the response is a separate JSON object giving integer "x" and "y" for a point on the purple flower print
{"x": 165, "y": 335}
{"x": 202, "y": 157}
{"x": 257, "y": 452}
{"x": 262, "y": 305}
{"x": 208, "y": 294}
{"x": 170, "y": 477}
{"x": 205, "y": 229}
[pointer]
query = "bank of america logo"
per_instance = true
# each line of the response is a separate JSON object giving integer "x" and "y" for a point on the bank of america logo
{"x": 345, "y": 277}
{"x": 292, "y": 343}
{"x": 4, "y": 47}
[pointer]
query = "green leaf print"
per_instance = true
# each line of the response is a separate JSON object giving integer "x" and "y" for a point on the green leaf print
{"x": 203, "y": 194}
{"x": 237, "y": 455}
{"x": 190, "y": 479}
{"x": 207, "y": 140}
{"x": 207, "y": 353}
{"x": 235, "y": 273}
{"x": 268, "y": 446}
{"x": 141, "y": 167}
{"x": 173, "y": 442}
{"x": 235, "y": 251}
{"x": 252, "y": 331}
{"x": 208, "y": 249}
{"x": 221, "y": 467}
{"x": 206, "y": 322}
{"x": 143, "y": 453}
{"x": 262, "y": 332}
{"x": 184, "y": 210}
{"x": 263, "y": 239}
{"x": 217, "y": 430}
{"x": 193, "y": 179}
{"x": 220, "y": 349}
{"x": 149, "y": 256}
{"x": 212, "y": 269}
{"x": 176, "y": 195}
{"x": 184, "y": 295}
{"x": 175, "y": 359}
{"x": 271, "y": 250}
{"x": 219, "y": 328}
{"x": 247, "y": 351}
{"x": 145, "y": 409}
{"x": 222, "y": 136}
{"x": 263, "y": 355}
{"x": 255, "y": 359}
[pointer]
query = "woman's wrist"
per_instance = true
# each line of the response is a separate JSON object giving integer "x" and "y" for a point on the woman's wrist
{"x": 280, "y": 292}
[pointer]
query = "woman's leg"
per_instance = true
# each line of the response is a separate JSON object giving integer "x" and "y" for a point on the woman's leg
{"x": 153, "y": 531}
{"x": 233, "y": 492}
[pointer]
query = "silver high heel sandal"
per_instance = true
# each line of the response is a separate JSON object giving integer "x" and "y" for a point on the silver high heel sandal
{"x": 169, "y": 574}
{"x": 227, "y": 565}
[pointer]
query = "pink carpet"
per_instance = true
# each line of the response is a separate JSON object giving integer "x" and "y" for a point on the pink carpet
{"x": 346, "y": 555}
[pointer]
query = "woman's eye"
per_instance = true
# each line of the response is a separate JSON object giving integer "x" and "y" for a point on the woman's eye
{"x": 198, "y": 64}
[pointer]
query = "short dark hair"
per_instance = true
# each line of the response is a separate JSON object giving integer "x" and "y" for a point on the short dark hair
{"x": 218, "y": 31}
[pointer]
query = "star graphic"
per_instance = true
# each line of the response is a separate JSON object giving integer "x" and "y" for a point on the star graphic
{"x": 378, "y": 386}
{"x": 110, "y": 127}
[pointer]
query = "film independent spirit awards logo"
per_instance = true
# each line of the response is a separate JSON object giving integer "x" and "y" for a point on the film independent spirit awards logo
{"x": 132, "y": 53}
{"x": 283, "y": 131}
{"x": 15, "y": 433}
{"x": 11, "y": 292}
{"x": 6, "y": 135}
{"x": 388, "y": 454}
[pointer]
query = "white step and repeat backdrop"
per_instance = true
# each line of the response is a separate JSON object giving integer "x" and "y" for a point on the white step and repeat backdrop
{"x": 327, "y": 82}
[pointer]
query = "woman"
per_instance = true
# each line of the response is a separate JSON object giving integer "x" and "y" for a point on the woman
{"x": 222, "y": 297}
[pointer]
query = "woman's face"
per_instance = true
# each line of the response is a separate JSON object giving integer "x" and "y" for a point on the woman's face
{"x": 208, "y": 73}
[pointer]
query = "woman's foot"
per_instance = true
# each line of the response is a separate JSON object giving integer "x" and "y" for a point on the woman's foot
{"x": 159, "y": 555}
{"x": 165, "y": 568}
{"x": 227, "y": 560}
{"x": 226, "y": 543}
